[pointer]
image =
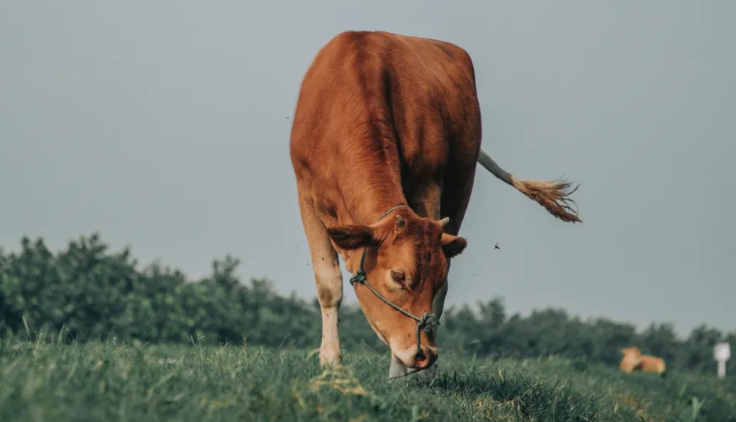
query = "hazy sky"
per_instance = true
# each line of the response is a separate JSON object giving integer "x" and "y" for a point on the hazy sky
{"x": 163, "y": 125}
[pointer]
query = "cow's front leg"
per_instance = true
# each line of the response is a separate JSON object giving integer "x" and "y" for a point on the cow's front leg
{"x": 328, "y": 280}
{"x": 397, "y": 368}
{"x": 329, "y": 293}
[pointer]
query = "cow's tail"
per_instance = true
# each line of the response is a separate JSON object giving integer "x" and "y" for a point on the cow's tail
{"x": 554, "y": 196}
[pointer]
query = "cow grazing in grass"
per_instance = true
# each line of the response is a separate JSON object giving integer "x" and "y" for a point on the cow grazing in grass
{"x": 384, "y": 144}
{"x": 633, "y": 360}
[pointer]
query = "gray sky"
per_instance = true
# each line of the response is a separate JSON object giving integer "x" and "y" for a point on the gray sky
{"x": 163, "y": 125}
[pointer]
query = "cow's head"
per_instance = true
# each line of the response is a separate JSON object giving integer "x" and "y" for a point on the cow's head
{"x": 406, "y": 261}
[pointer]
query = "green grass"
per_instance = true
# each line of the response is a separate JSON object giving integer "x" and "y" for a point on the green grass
{"x": 113, "y": 382}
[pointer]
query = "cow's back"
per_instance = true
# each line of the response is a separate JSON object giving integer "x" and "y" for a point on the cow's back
{"x": 374, "y": 99}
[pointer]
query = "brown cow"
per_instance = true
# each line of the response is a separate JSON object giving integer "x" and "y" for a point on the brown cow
{"x": 384, "y": 144}
{"x": 633, "y": 360}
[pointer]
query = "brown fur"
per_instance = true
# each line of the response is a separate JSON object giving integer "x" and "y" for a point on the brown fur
{"x": 633, "y": 360}
{"x": 384, "y": 120}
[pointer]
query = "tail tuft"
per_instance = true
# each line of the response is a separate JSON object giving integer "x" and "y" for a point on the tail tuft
{"x": 554, "y": 196}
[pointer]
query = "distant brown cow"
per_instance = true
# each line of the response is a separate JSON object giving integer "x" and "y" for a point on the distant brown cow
{"x": 633, "y": 360}
{"x": 384, "y": 145}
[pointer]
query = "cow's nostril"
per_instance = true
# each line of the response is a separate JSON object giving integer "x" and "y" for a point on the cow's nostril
{"x": 420, "y": 357}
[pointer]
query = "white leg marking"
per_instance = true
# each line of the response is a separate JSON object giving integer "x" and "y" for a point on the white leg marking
{"x": 329, "y": 293}
{"x": 329, "y": 351}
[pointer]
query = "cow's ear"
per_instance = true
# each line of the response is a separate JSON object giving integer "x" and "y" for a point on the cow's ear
{"x": 453, "y": 245}
{"x": 352, "y": 236}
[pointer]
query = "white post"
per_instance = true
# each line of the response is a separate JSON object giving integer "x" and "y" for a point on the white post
{"x": 721, "y": 353}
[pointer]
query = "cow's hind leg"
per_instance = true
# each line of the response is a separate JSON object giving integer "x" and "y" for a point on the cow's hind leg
{"x": 328, "y": 278}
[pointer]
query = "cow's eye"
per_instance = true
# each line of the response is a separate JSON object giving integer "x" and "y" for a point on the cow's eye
{"x": 398, "y": 276}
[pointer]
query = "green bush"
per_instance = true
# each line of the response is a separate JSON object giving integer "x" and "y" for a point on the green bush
{"x": 88, "y": 292}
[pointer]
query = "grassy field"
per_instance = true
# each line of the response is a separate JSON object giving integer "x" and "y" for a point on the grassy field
{"x": 114, "y": 382}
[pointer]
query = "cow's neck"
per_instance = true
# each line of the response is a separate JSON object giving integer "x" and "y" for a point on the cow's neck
{"x": 371, "y": 208}
{"x": 374, "y": 185}
{"x": 366, "y": 197}
{"x": 372, "y": 196}
{"x": 372, "y": 188}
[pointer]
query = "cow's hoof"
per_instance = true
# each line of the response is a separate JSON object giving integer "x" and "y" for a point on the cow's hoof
{"x": 329, "y": 357}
